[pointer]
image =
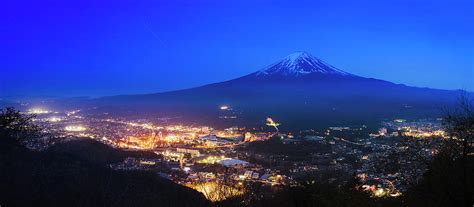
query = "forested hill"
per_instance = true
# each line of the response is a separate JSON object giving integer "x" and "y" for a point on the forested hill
{"x": 70, "y": 178}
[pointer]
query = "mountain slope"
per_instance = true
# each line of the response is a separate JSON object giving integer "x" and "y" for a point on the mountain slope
{"x": 60, "y": 178}
{"x": 300, "y": 91}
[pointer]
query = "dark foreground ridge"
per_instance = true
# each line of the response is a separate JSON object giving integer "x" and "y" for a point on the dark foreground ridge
{"x": 75, "y": 174}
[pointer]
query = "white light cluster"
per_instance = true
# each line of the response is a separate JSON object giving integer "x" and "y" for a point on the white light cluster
{"x": 74, "y": 128}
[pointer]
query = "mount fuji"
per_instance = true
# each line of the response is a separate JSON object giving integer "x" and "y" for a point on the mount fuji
{"x": 300, "y": 64}
{"x": 300, "y": 91}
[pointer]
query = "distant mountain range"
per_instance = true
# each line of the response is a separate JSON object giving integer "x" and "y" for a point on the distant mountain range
{"x": 300, "y": 91}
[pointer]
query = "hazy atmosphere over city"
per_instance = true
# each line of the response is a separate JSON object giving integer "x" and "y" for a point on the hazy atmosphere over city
{"x": 229, "y": 103}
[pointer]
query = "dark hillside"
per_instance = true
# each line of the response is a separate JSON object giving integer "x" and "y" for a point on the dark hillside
{"x": 60, "y": 178}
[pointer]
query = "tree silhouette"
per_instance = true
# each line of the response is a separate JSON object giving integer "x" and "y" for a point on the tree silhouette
{"x": 449, "y": 180}
{"x": 460, "y": 127}
{"x": 13, "y": 124}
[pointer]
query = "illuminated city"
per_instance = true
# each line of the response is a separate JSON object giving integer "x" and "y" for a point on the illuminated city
{"x": 188, "y": 149}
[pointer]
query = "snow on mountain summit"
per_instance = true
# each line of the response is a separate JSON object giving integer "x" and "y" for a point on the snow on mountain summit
{"x": 300, "y": 64}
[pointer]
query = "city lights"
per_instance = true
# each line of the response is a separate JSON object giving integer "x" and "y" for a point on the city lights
{"x": 74, "y": 128}
{"x": 70, "y": 113}
{"x": 38, "y": 111}
{"x": 54, "y": 119}
{"x": 270, "y": 122}
{"x": 212, "y": 159}
{"x": 224, "y": 107}
{"x": 189, "y": 149}
{"x": 217, "y": 191}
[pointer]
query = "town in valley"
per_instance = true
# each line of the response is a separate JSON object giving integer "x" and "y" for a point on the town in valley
{"x": 386, "y": 161}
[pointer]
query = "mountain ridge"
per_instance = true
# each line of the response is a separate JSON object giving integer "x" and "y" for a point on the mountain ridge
{"x": 301, "y": 91}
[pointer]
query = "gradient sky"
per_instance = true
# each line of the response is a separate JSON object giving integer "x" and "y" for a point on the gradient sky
{"x": 95, "y": 48}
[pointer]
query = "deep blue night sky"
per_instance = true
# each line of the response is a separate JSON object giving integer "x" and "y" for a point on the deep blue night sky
{"x": 66, "y": 48}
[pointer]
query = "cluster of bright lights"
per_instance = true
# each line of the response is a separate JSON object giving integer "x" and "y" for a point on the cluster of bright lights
{"x": 224, "y": 107}
{"x": 141, "y": 142}
{"x": 212, "y": 159}
{"x": 54, "y": 119}
{"x": 171, "y": 138}
{"x": 384, "y": 192}
{"x": 70, "y": 113}
{"x": 75, "y": 128}
{"x": 186, "y": 169}
{"x": 217, "y": 191}
{"x": 272, "y": 123}
{"x": 142, "y": 125}
{"x": 379, "y": 192}
{"x": 146, "y": 162}
{"x": 38, "y": 111}
{"x": 227, "y": 134}
{"x": 419, "y": 133}
{"x": 172, "y": 155}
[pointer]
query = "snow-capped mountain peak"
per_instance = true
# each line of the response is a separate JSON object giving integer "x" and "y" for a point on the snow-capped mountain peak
{"x": 300, "y": 64}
